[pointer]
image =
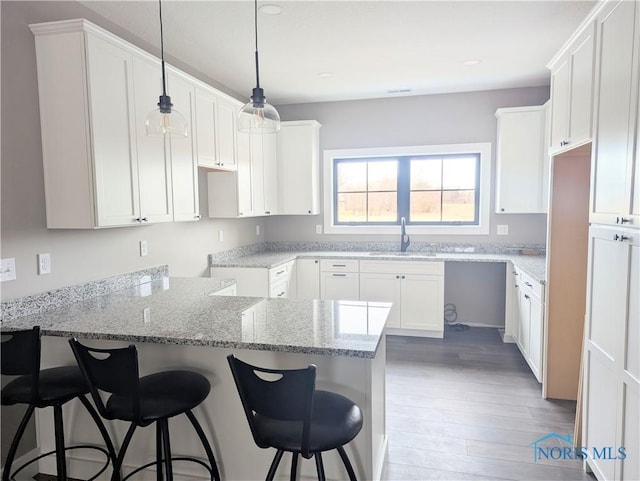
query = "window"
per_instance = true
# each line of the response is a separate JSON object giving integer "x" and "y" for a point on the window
{"x": 437, "y": 189}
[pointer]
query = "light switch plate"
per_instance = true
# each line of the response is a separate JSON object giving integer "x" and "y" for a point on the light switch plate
{"x": 318, "y": 228}
{"x": 502, "y": 229}
{"x": 7, "y": 269}
{"x": 143, "y": 248}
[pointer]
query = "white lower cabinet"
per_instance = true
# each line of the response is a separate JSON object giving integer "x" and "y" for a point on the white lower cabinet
{"x": 525, "y": 305}
{"x": 279, "y": 281}
{"x": 612, "y": 351}
{"x": 339, "y": 279}
{"x": 511, "y": 307}
{"x": 416, "y": 290}
{"x": 308, "y": 278}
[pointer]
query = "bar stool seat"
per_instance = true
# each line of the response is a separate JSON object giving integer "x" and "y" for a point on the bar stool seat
{"x": 335, "y": 421}
{"x": 37, "y": 388}
{"x": 162, "y": 395}
{"x": 58, "y": 384}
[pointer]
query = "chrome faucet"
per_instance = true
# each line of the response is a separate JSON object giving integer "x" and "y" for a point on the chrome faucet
{"x": 404, "y": 238}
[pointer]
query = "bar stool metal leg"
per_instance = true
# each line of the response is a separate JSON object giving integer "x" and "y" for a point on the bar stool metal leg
{"x": 294, "y": 467}
{"x": 347, "y": 464}
{"x": 158, "y": 452}
{"x": 61, "y": 462}
{"x": 16, "y": 441}
{"x": 103, "y": 431}
{"x": 164, "y": 427}
{"x": 117, "y": 476}
{"x": 274, "y": 465}
{"x": 205, "y": 444}
{"x": 320, "y": 466}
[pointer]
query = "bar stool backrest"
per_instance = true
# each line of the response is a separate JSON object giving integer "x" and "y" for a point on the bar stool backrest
{"x": 285, "y": 395}
{"x": 20, "y": 356}
{"x": 113, "y": 371}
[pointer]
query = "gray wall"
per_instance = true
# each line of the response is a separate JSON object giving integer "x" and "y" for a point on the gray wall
{"x": 425, "y": 120}
{"x": 78, "y": 255}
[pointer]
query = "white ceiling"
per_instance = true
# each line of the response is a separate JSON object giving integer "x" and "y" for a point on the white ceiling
{"x": 370, "y": 47}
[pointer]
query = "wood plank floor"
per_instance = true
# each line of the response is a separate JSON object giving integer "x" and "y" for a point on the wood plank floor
{"x": 467, "y": 407}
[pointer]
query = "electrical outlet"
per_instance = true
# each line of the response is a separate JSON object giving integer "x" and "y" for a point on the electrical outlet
{"x": 7, "y": 269}
{"x": 502, "y": 230}
{"x": 143, "y": 248}
{"x": 146, "y": 314}
{"x": 44, "y": 264}
{"x": 221, "y": 236}
{"x": 318, "y": 228}
{"x": 257, "y": 229}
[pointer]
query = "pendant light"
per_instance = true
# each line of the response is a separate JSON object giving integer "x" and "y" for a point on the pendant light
{"x": 165, "y": 120}
{"x": 258, "y": 116}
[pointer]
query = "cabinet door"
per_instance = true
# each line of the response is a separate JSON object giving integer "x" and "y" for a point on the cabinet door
{"x": 520, "y": 158}
{"x": 339, "y": 286}
{"x": 560, "y": 78}
{"x": 113, "y": 129}
{"x": 511, "y": 325}
{"x": 383, "y": 288}
{"x": 270, "y": 174}
{"x": 308, "y": 278}
{"x": 422, "y": 302}
{"x": 226, "y": 134}
{"x": 581, "y": 88}
{"x": 205, "y": 127}
{"x": 245, "y": 195}
{"x": 536, "y": 337}
{"x": 298, "y": 168}
{"x": 184, "y": 167}
{"x": 154, "y": 164}
{"x": 524, "y": 318}
{"x": 257, "y": 173}
{"x": 612, "y": 151}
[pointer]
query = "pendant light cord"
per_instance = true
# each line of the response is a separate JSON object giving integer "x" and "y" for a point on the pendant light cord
{"x": 255, "y": 21}
{"x": 164, "y": 83}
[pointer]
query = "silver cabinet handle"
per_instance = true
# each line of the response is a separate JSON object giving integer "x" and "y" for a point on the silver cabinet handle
{"x": 623, "y": 220}
{"x": 526, "y": 296}
{"x": 339, "y": 275}
{"x": 528, "y": 284}
{"x": 339, "y": 265}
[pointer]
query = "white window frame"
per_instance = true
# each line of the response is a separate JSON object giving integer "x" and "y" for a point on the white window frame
{"x": 484, "y": 149}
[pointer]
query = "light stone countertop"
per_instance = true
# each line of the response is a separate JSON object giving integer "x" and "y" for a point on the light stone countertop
{"x": 535, "y": 266}
{"x": 186, "y": 311}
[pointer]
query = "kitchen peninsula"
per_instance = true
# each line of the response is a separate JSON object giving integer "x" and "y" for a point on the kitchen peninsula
{"x": 180, "y": 322}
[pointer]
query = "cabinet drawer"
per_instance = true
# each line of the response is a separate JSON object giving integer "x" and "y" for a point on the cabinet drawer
{"x": 526, "y": 281}
{"x": 279, "y": 289}
{"x": 339, "y": 265}
{"x": 403, "y": 267}
{"x": 280, "y": 272}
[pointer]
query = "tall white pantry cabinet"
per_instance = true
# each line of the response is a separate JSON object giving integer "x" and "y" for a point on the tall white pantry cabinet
{"x": 611, "y": 380}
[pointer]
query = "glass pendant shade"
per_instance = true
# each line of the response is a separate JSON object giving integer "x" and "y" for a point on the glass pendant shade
{"x": 164, "y": 121}
{"x": 259, "y": 118}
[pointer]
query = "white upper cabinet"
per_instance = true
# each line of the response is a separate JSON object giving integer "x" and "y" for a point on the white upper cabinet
{"x": 95, "y": 92}
{"x": 522, "y": 162}
{"x": 154, "y": 165}
{"x": 614, "y": 155}
{"x": 269, "y": 175}
{"x": 215, "y": 127}
{"x": 298, "y": 167}
{"x": 205, "y": 131}
{"x": 184, "y": 167}
{"x": 572, "y": 72}
{"x": 226, "y": 133}
{"x": 100, "y": 168}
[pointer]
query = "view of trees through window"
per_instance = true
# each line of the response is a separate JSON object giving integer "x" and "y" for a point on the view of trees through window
{"x": 434, "y": 189}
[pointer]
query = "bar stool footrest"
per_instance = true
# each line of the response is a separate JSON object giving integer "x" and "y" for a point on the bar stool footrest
{"x": 177, "y": 458}
{"x": 68, "y": 448}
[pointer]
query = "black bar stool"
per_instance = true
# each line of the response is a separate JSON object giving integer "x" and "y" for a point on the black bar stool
{"x": 44, "y": 388}
{"x": 289, "y": 414}
{"x": 143, "y": 401}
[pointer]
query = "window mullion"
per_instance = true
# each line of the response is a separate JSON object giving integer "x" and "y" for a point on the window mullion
{"x": 404, "y": 188}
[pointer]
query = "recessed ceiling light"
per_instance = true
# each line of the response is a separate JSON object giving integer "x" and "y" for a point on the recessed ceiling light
{"x": 271, "y": 9}
{"x": 325, "y": 75}
{"x": 472, "y": 61}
